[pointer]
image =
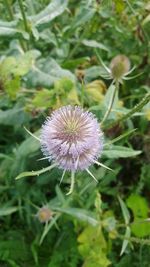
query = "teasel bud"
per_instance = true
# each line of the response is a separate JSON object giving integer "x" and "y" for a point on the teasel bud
{"x": 119, "y": 66}
{"x": 44, "y": 214}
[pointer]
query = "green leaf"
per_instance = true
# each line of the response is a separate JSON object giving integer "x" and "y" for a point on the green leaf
{"x": 50, "y": 12}
{"x": 4, "y": 211}
{"x": 79, "y": 214}
{"x": 12, "y": 87}
{"x": 125, "y": 211}
{"x": 108, "y": 96}
{"x": 18, "y": 66}
{"x": 35, "y": 173}
{"x": 14, "y": 117}
{"x": 9, "y": 29}
{"x": 138, "y": 205}
{"x": 92, "y": 73}
{"x": 83, "y": 16}
{"x": 126, "y": 240}
{"x": 93, "y": 43}
{"x": 46, "y": 77}
{"x": 43, "y": 99}
{"x": 140, "y": 210}
{"x": 120, "y": 152}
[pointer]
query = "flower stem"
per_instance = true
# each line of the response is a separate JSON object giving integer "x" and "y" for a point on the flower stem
{"x": 137, "y": 108}
{"x": 135, "y": 240}
{"x": 23, "y": 15}
{"x": 111, "y": 102}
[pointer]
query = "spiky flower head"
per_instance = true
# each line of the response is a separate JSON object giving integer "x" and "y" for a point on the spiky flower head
{"x": 72, "y": 138}
{"x": 44, "y": 214}
{"x": 119, "y": 66}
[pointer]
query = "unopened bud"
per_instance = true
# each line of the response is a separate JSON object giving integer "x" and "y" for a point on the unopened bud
{"x": 119, "y": 66}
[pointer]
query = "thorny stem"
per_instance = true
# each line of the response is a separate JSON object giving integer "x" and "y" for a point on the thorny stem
{"x": 137, "y": 108}
{"x": 111, "y": 102}
{"x": 135, "y": 240}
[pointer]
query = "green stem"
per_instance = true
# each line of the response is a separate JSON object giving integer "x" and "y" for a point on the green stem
{"x": 77, "y": 43}
{"x": 82, "y": 93}
{"x": 23, "y": 15}
{"x": 111, "y": 102}
{"x": 135, "y": 240}
{"x": 137, "y": 108}
{"x": 9, "y": 9}
{"x": 11, "y": 15}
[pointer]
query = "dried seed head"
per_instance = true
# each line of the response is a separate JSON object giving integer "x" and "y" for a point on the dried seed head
{"x": 119, "y": 66}
{"x": 72, "y": 138}
{"x": 44, "y": 214}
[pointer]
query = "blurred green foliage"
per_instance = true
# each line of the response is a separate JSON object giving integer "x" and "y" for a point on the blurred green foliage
{"x": 49, "y": 57}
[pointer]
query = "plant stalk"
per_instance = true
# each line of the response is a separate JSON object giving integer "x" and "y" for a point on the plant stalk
{"x": 23, "y": 15}
{"x": 137, "y": 108}
{"x": 111, "y": 103}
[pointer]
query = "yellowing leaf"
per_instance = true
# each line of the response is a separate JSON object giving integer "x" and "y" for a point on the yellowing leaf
{"x": 93, "y": 247}
{"x": 73, "y": 97}
{"x": 43, "y": 98}
{"x": 147, "y": 114}
{"x": 95, "y": 90}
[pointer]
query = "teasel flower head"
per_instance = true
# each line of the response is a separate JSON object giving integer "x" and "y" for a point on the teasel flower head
{"x": 119, "y": 66}
{"x": 72, "y": 139}
{"x": 44, "y": 214}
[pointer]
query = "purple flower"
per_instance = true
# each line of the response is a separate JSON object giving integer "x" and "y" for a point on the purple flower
{"x": 72, "y": 138}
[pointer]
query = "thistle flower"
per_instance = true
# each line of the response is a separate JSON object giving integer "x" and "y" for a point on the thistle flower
{"x": 44, "y": 214}
{"x": 72, "y": 139}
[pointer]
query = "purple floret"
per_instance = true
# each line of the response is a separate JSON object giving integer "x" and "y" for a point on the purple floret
{"x": 72, "y": 138}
